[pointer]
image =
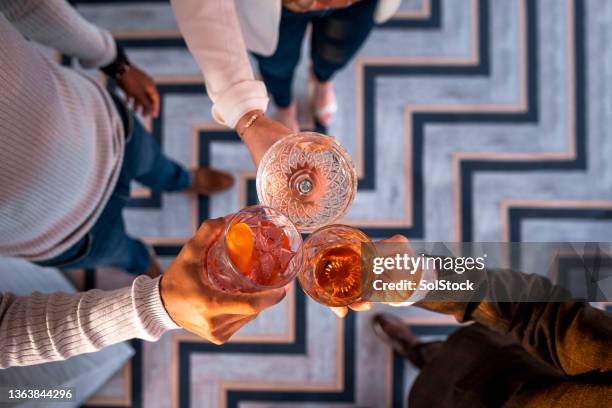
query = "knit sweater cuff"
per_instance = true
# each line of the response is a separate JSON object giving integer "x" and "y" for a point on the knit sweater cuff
{"x": 238, "y": 100}
{"x": 152, "y": 315}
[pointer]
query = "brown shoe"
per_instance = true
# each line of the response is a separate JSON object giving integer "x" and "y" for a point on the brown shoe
{"x": 395, "y": 333}
{"x": 209, "y": 181}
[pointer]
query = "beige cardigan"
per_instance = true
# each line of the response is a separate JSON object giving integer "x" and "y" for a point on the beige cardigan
{"x": 218, "y": 34}
{"x": 61, "y": 151}
{"x": 61, "y": 138}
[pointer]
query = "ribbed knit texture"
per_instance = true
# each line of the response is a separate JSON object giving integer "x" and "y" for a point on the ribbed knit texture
{"x": 61, "y": 139}
{"x": 49, "y": 327}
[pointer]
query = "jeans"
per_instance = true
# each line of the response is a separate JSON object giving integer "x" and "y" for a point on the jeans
{"x": 107, "y": 243}
{"x": 336, "y": 36}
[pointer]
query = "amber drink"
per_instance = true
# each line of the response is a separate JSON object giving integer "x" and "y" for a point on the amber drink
{"x": 332, "y": 265}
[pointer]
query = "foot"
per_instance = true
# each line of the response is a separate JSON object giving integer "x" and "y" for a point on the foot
{"x": 209, "y": 181}
{"x": 324, "y": 104}
{"x": 288, "y": 117}
{"x": 395, "y": 333}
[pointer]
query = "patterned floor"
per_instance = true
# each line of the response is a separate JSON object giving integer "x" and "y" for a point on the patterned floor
{"x": 482, "y": 120}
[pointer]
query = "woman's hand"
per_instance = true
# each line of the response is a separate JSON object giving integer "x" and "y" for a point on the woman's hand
{"x": 198, "y": 307}
{"x": 261, "y": 135}
{"x": 140, "y": 91}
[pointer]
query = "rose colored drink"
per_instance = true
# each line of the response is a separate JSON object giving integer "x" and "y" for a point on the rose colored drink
{"x": 256, "y": 252}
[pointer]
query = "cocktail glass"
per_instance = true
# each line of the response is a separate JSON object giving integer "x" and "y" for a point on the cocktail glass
{"x": 257, "y": 251}
{"x": 332, "y": 265}
{"x": 309, "y": 177}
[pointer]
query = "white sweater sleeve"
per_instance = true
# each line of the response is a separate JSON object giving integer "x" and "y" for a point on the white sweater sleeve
{"x": 49, "y": 327}
{"x": 56, "y": 24}
{"x": 212, "y": 31}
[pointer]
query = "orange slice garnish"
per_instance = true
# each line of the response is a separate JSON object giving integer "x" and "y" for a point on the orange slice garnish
{"x": 240, "y": 245}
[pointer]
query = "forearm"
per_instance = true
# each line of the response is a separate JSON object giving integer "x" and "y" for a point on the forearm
{"x": 570, "y": 335}
{"x": 42, "y": 328}
{"x": 212, "y": 31}
{"x": 56, "y": 24}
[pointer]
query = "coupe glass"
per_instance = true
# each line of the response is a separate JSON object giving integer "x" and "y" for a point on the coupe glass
{"x": 256, "y": 252}
{"x": 309, "y": 177}
{"x": 332, "y": 265}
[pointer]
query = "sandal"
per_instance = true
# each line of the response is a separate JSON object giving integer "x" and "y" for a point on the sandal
{"x": 323, "y": 115}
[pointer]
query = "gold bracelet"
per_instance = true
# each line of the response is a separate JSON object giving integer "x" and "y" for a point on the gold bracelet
{"x": 250, "y": 122}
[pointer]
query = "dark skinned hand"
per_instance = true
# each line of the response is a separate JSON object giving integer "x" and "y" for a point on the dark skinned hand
{"x": 140, "y": 91}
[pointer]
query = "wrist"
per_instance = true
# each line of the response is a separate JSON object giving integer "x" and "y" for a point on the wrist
{"x": 164, "y": 290}
{"x": 150, "y": 306}
{"x": 247, "y": 121}
{"x": 119, "y": 66}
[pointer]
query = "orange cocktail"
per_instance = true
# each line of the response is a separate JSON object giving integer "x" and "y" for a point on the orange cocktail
{"x": 256, "y": 252}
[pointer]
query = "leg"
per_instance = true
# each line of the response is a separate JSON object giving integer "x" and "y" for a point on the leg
{"x": 145, "y": 162}
{"x": 107, "y": 244}
{"x": 277, "y": 70}
{"x": 337, "y": 37}
{"x": 478, "y": 367}
{"x": 425, "y": 352}
{"x": 474, "y": 367}
{"x": 394, "y": 332}
{"x": 113, "y": 247}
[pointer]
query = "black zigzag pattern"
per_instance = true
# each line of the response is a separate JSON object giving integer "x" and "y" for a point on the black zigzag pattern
{"x": 468, "y": 169}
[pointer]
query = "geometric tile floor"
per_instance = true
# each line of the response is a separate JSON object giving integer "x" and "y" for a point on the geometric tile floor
{"x": 469, "y": 120}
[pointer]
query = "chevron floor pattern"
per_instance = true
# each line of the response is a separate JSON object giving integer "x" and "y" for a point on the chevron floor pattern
{"x": 482, "y": 120}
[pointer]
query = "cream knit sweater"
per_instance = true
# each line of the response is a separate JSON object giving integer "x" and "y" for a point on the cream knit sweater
{"x": 61, "y": 139}
{"x": 61, "y": 148}
{"x": 41, "y": 328}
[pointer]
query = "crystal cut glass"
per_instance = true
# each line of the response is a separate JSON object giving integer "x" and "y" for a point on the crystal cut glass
{"x": 257, "y": 251}
{"x": 332, "y": 265}
{"x": 309, "y": 177}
